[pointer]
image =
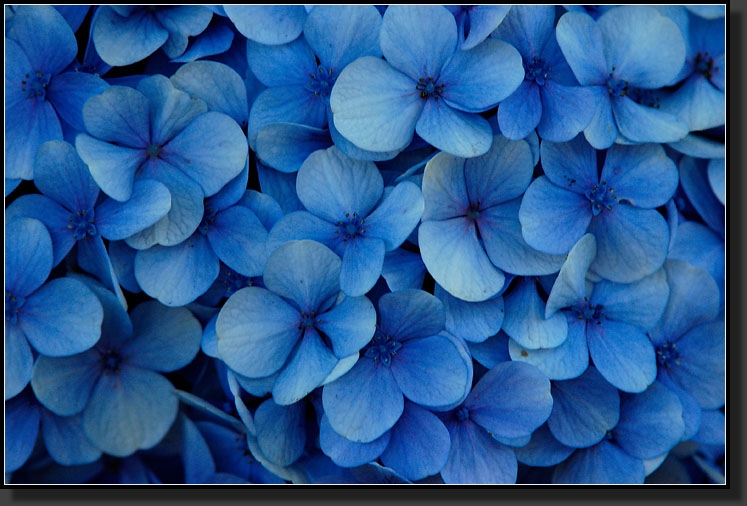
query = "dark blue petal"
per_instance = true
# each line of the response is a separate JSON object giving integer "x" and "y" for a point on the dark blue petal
{"x": 281, "y": 431}
{"x": 66, "y": 441}
{"x": 22, "y": 415}
{"x": 602, "y": 463}
{"x": 307, "y": 367}
{"x": 346, "y": 453}
{"x": 64, "y": 384}
{"x": 475, "y": 457}
{"x": 543, "y": 449}
{"x": 472, "y": 321}
{"x": 28, "y": 256}
{"x": 268, "y": 24}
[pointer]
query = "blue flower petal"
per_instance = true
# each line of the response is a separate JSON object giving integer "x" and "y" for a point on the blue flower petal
{"x": 22, "y": 417}
{"x": 238, "y": 238}
{"x": 44, "y": 36}
{"x": 717, "y": 179}
{"x": 566, "y": 111}
{"x": 455, "y": 258}
{"x": 492, "y": 351}
{"x": 580, "y": 39}
{"x": 418, "y": 40}
{"x": 584, "y": 409}
{"x": 256, "y": 332}
{"x": 567, "y": 361}
{"x": 712, "y": 429}
{"x": 65, "y": 440}
{"x": 64, "y": 384}
{"x": 444, "y": 188}
{"x": 602, "y": 463}
{"x": 69, "y": 92}
{"x": 281, "y": 431}
{"x": 263, "y": 206}
{"x": 302, "y": 225}
{"x": 642, "y": 175}
{"x": 171, "y": 109}
{"x": 630, "y": 34}
{"x": 150, "y": 201}
{"x": 129, "y": 411}
{"x": 397, "y": 215}
{"x": 61, "y": 318}
{"x": 553, "y": 218}
{"x": 429, "y": 371}
{"x": 216, "y": 39}
{"x": 419, "y": 444}
{"x": 694, "y": 180}
{"x": 285, "y": 146}
{"x": 28, "y": 124}
{"x": 641, "y": 303}
{"x": 122, "y": 258}
{"x": 483, "y": 19}
{"x": 650, "y": 423}
{"x": 453, "y": 131}
{"x": 19, "y": 362}
{"x": 120, "y": 114}
{"x": 543, "y": 449}
{"x": 112, "y": 167}
{"x": 28, "y": 256}
{"x": 570, "y": 165}
{"x": 410, "y": 314}
{"x": 364, "y": 403}
{"x": 310, "y": 363}
{"x": 285, "y": 104}
{"x": 525, "y": 319}
{"x": 346, "y": 453}
{"x": 623, "y": 354}
{"x": 375, "y": 106}
{"x": 472, "y": 321}
{"x": 475, "y": 457}
{"x": 60, "y": 174}
{"x": 125, "y": 40}
{"x": 569, "y": 288}
{"x": 182, "y": 21}
{"x": 511, "y": 400}
{"x": 640, "y": 123}
{"x": 403, "y": 270}
{"x": 521, "y": 112}
{"x": 281, "y": 65}
{"x": 501, "y": 174}
{"x": 602, "y": 132}
{"x": 166, "y": 339}
{"x": 349, "y": 325}
{"x": 268, "y": 24}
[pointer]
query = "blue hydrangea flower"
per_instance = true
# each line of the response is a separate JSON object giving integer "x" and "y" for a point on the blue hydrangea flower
{"x": 477, "y": 22}
{"x": 125, "y": 403}
{"x": 650, "y": 425}
{"x": 549, "y": 99}
{"x": 510, "y": 401}
{"x": 626, "y": 52}
{"x": 699, "y": 97}
{"x": 427, "y": 84}
{"x": 125, "y": 34}
{"x": 690, "y": 343}
{"x": 299, "y": 86}
{"x": 72, "y": 213}
{"x": 405, "y": 358}
{"x": 350, "y": 211}
{"x": 267, "y": 24}
{"x": 39, "y": 92}
{"x": 470, "y": 232}
{"x": 294, "y": 326}
{"x": 616, "y": 206}
{"x": 694, "y": 179}
{"x": 58, "y": 318}
{"x": 161, "y": 133}
{"x": 471, "y": 321}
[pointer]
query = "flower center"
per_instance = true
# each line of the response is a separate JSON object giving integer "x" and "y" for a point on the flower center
{"x": 110, "y": 361}
{"x": 617, "y": 87}
{"x": 13, "y": 304}
{"x": 667, "y": 355}
{"x": 644, "y": 97}
{"x": 428, "y": 87}
{"x": 153, "y": 150}
{"x": 207, "y": 220}
{"x": 589, "y": 312}
{"x": 704, "y": 64}
{"x": 537, "y": 70}
{"x": 462, "y": 414}
{"x": 351, "y": 228}
{"x": 474, "y": 211}
{"x": 601, "y": 198}
{"x": 382, "y": 348}
{"x": 322, "y": 81}
{"x": 233, "y": 281}
{"x": 81, "y": 224}
{"x": 35, "y": 85}
{"x": 308, "y": 320}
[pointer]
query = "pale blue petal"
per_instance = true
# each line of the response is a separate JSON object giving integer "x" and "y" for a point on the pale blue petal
{"x": 650, "y": 422}
{"x": 642, "y": 175}
{"x": 477, "y": 458}
{"x": 455, "y": 258}
{"x": 238, "y": 238}
{"x": 419, "y": 444}
{"x": 256, "y": 332}
{"x": 444, "y": 188}
{"x": 396, "y": 216}
{"x": 216, "y": 39}
{"x": 19, "y": 361}
{"x": 701, "y": 367}
{"x": 337, "y": 188}
{"x": 177, "y": 275}
{"x": 717, "y": 179}
{"x": 699, "y": 146}
{"x": 166, "y": 339}
{"x": 569, "y": 288}
{"x": 543, "y": 449}
{"x": 302, "y": 225}
{"x": 571, "y": 165}
{"x": 492, "y": 351}
{"x": 477, "y": 79}
{"x": 129, "y": 411}
{"x": 182, "y": 21}
{"x": 364, "y": 403}
{"x": 120, "y": 114}
{"x": 64, "y": 384}
{"x": 700, "y": 104}
{"x": 525, "y": 319}
{"x": 403, "y": 270}
{"x": 28, "y": 124}
{"x": 501, "y": 174}
{"x": 122, "y": 258}
{"x": 374, "y": 106}
{"x": 268, "y": 24}
{"x": 584, "y": 409}
{"x": 285, "y": 146}
{"x": 349, "y": 325}
{"x": 418, "y": 40}
{"x": 150, "y": 201}
{"x": 429, "y": 371}
{"x": 340, "y": 34}
{"x": 553, "y": 218}
{"x": 170, "y": 109}
{"x": 281, "y": 65}
{"x": 567, "y": 361}
{"x": 623, "y": 354}
{"x": 629, "y": 36}
{"x": 61, "y": 318}
{"x": 69, "y": 92}
{"x": 410, "y": 314}
{"x": 346, "y": 453}
{"x": 305, "y": 272}
{"x": 124, "y": 40}
{"x": 45, "y": 37}
{"x": 264, "y": 206}
{"x": 566, "y": 111}
{"x": 640, "y": 123}
{"x": 631, "y": 243}
{"x": 580, "y": 40}
{"x": 281, "y": 431}
{"x": 453, "y": 131}
{"x": 285, "y": 104}
{"x": 22, "y": 416}
{"x": 28, "y": 256}
{"x": 60, "y": 174}
{"x": 602, "y": 132}
{"x": 362, "y": 263}
{"x": 112, "y": 167}
{"x": 521, "y": 112}
{"x": 472, "y": 321}
{"x": 65, "y": 440}
{"x": 309, "y": 364}
{"x": 483, "y": 19}
{"x": 694, "y": 180}
{"x": 604, "y": 463}
{"x": 641, "y": 303}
